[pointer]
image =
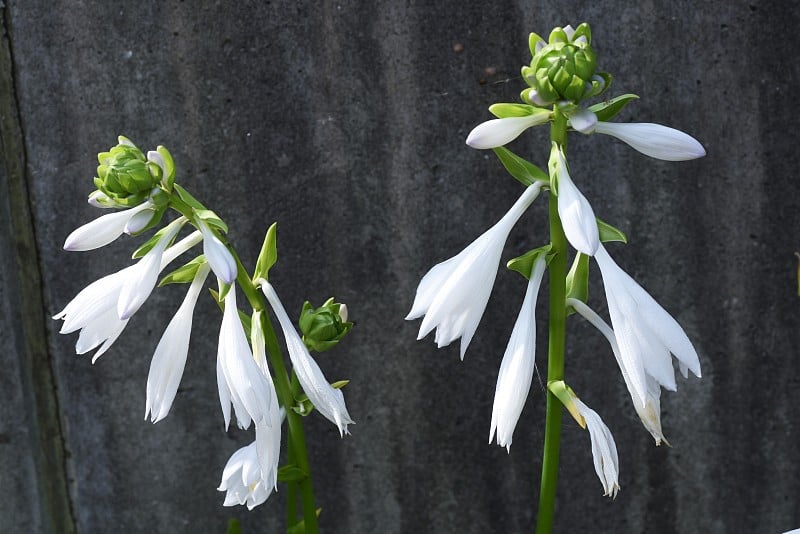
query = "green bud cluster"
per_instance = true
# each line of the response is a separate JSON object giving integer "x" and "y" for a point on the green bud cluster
{"x": 563, "y": 68}
{"x": 325, "y": 326}
{"x": 124, "y": 174}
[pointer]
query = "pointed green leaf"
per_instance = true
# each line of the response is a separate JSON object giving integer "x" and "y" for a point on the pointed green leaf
{"x": 339, "y": 384}
{"x": 524, "y": 264}
{"x": 578, "y": 280}
{"x": 184, "y": 274}
{"x": 188, "y": 198}
{"x": 525, "y": 172}
{"x": 170, "y": 164}
{"x": 609, "y": 233}
{"x": 300, "y": 528}
{"x": 610, "y": 108}
{"x": 268, "y": 255}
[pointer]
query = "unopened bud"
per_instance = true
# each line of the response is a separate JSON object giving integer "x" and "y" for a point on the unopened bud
{"x": 124, "y": 175}
{"x": 325, "y": 326}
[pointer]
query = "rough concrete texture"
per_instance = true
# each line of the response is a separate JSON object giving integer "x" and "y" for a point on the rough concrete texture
{"x": 345, "y": 122}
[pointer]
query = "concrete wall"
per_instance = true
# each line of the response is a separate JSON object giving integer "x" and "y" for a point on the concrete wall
{"x": 346, "y": 122}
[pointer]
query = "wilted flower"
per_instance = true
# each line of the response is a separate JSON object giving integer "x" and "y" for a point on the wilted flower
{"x": 453, "y": 294}
{"x": 516, "y": 370}
{"x": 169, "y": 359}
{"x": 328, "y": 400}
{"x": 604, "y": 450}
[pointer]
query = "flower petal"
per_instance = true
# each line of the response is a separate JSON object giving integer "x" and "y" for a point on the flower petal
{"x": 103, "y": 230}
{"x": 217, "y": 254}
{"x": 604, "y": 450}
{"x": 575, "y": 212}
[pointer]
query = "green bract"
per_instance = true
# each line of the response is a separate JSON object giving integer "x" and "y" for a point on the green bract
{"x": 124, "y": 174}
{"x": 325, "y": 326}
{"x": 563, "y": 68}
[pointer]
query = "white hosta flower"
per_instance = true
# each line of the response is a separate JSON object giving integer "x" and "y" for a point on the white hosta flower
{"x": 94, "y": 308}
{"x": 105, "y": 229}
{"x": 453, "y": 294}
{"x": 239, "y": 379}
{"x": 217, "y": 254}
{"x": 169, "y": 359}
{"x": 645, "y": 332}
{"x": 649, "y": 410}
{"x": 577, "y": 216}
{"x": 604, "y": 450}
{"x": 268, "y": 440}
{"x": 498, "y": 132}
{"x": 242, "y": 478}
{"x": 328, "y": 400}
{"x": 654, "y": 140}
{"x": 516, "y": 370}
{"x": 141, "y": 280}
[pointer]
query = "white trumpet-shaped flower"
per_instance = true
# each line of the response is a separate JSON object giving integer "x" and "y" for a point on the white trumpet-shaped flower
{"x": 268, "y": 440}
{"x": 645, "y": 332}
{"x": 217, "y": 254}
{"x": 649, "y": 410}
{"x": 242, "y": 478}
{"x": 453, "y": 294}
{"x": 93, "y": 311}
{"x": 577, "y": 216}
{"x": 654, "y": 140}
{"x": 328, "y": 400}
{"x": 141, "y": 280}
{"x": 498, "y": 132}
{"x": 604, "y": 450}
{"x": 516, "y": 370}
{"x": 239, "y": 379}
{"x": 169, "y": 359}
{"x": 105, "y": 229}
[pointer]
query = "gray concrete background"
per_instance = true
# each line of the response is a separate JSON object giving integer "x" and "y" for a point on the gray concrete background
{"x": 345, "y": 122}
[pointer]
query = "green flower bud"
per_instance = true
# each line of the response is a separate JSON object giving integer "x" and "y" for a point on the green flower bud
{"x": 563, "y": 68}
{"x": 124, "y": 175}
{"x": 325, "y": 326}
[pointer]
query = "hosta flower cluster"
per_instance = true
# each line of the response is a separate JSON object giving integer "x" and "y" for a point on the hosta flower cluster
{"x": 644, "y": 338}
{"x": 141, "y": 190}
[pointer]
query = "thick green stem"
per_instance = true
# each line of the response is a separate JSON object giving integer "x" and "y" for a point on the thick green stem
{"x": 555, "y": 354}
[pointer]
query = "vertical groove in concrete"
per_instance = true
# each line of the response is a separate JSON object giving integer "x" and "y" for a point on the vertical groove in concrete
{"x": 50, "y": 454}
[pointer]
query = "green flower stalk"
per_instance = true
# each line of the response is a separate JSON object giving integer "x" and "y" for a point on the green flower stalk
{"x": 452, "y": 296}
{"x": 255, "y": 389}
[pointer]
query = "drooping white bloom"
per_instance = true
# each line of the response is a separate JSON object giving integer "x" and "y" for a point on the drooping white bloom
{"x": 645, "y": 332}
{"x": 498, "y": 132}
{"x": 94, "y": 308}
{"x": 577, "y": 216}
{"x": 649, "y": 410}
{"x": 654, "y": 140}
{"x": 516, "y": 370}
{"x": 242, "y": 478}
{"x": 268, "y": 440}
{"x": 217, "y": 254}
{"x": 604, "y": 450}
{"x": 453, "y": 294}
{"x": 105, "y": 229}
{"x": 140, "y": 281}
{"x": 169, "y": 359}
{"x": 239, "y": 379}
{"x": 328, "y": 400}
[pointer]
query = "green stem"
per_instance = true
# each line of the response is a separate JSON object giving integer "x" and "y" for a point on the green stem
{"x": 555, "y": 354}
